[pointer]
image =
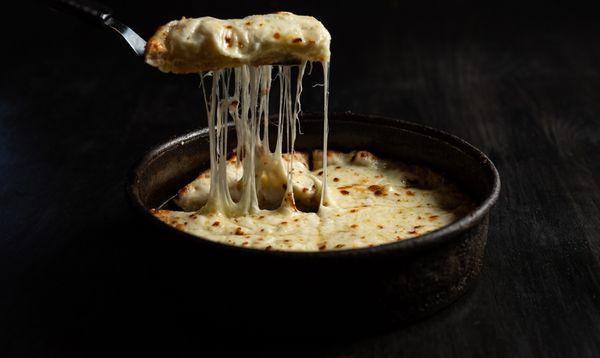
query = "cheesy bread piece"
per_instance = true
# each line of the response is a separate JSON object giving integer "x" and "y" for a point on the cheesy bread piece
{"x": 208, "y": 44}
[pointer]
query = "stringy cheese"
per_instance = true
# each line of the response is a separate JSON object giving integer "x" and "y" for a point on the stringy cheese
{"x": 257, "y": 173}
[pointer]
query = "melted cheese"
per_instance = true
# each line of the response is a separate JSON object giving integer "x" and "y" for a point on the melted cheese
{"x": 263, "y": 197}
{"x": 208, "y": 44}
{"x": 241, "y": 53}
{"x": 272, "y": 185}
{"x": 260, "y": 176}
{"x": 376, "y": 202}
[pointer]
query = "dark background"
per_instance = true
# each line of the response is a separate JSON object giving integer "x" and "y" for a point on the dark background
{"x": 519, "y": 80}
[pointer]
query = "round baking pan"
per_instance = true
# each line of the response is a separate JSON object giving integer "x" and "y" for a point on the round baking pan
{"x": 326, "y": 292}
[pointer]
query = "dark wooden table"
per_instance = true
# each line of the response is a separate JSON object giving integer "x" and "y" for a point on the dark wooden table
{"x": 77, "y": 109}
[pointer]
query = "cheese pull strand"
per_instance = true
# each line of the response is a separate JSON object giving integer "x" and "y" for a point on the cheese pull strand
{"x": 265, "y": 174}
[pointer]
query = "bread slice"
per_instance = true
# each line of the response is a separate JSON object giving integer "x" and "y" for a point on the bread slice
{"x": 208, "y": 44}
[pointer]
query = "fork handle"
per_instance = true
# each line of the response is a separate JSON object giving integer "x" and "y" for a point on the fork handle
{"x": 93, "y": 12}
{"x": 86, "y": 10}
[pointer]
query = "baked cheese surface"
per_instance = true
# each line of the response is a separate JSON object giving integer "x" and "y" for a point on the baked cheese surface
{"x": 372, "y": 202}
{"x": 207, "y": 44}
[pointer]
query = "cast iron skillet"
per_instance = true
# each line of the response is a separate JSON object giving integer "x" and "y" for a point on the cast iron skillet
{"x": 329, "y": 292}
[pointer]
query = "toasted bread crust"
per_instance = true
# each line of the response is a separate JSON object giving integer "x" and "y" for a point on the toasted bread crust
{"x": 156, "y": 48}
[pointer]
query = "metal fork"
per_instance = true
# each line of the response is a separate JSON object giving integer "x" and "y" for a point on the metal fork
{"x": 91, "y": 11}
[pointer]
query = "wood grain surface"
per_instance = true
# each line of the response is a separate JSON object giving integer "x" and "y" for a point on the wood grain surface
{"x": 77, "y": 109}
